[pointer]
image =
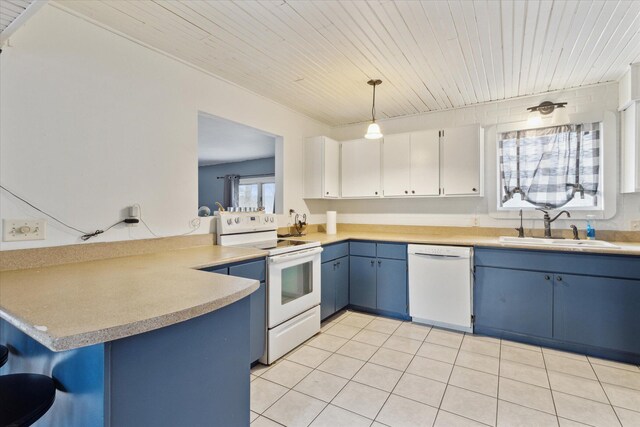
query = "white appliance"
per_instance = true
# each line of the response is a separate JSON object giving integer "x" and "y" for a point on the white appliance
{"x": 293, "y": 278}
{"x": 440, "y": 286}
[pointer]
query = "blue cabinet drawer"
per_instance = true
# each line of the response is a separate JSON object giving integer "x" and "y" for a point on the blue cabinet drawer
{"x": 250, "y": 270}
{"x": 392, "y": 250}
{"x": 362, "y": 249}
{"x": 621, "y": 266}
{"x": 335, "y": 251}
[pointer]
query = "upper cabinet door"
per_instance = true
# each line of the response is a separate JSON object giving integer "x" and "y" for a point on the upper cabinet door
{"x": 425, "y": 163}
{"x": 462, "y": 161}
{"x": 361, "y": 168}
{"x": 396, "y": 160}
{"x": 331, "y": 173}
{"x": 321, "y": 168}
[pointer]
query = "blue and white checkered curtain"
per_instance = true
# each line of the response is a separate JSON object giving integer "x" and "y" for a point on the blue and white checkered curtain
{"x": 550, "y": 166}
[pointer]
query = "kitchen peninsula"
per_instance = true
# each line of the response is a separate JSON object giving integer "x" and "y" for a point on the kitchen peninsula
{"x": 136, "y": 340}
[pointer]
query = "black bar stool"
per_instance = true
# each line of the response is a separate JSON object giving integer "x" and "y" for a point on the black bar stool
{"x": 24, "y": 398}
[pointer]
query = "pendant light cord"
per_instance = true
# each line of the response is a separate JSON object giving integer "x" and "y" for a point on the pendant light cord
{"x": 373, "y": 107}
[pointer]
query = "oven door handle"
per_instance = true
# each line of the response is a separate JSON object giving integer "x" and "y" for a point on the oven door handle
{"x": 277, "y": 259}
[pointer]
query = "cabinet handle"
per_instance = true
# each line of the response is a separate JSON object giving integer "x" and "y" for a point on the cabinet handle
{"x": 372, "y": 263}
{"x": 546, "y": 277}
{"x": 379, "y": 263}
{"x": 559, "y": 278}
{"x": 338, "y": 263}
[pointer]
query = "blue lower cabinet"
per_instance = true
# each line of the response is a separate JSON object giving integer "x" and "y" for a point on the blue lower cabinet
{"x": 335, "y": 286}
{"x": 514, "y": 300}
{"x": 258, "y": 322}
{"x": 342, "y": 283}
{"x": 362, "y": 282}
{"x": 598, "y": 311}
{"x": 255, "y": 270}
{"x": 328, "y": 289}
{"x": 391, "y": 285}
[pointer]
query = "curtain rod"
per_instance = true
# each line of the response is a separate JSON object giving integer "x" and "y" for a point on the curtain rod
{"x": 250, "y": 176}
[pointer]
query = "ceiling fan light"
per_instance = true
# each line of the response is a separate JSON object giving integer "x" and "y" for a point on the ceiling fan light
{"x": 373, "y": 131}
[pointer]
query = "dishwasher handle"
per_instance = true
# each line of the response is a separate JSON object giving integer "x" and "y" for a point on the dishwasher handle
{"x": 440, "y": 256}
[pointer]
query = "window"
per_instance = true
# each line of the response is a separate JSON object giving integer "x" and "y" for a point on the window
{"x": 258, "y": 192}
{"x": 550, "y": 167}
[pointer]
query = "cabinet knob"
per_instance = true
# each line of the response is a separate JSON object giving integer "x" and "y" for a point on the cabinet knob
{"x": 474, "y": 190}
{"x": 413, "y": 191}
{"x": 376, "y": 193}
{"x": 559, "y": 278}
{"x": 406, "y": 192}
{"x": 338, "y": 263}
{"x": 327, "y": 192}
{"x": 546, "y": 277}
{"x": 372, "y": 263}
{"x": 379, "y": 262}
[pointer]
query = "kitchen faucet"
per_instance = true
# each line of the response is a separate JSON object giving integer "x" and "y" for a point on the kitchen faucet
{"x": 548, "y": 221}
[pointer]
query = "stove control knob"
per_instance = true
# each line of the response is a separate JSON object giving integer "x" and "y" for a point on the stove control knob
{"x": 229, "y": 221}
{"x": 237, "y": 220}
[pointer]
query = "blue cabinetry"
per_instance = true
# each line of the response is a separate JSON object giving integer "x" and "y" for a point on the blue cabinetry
{"x": 257, "y": 301}
{"x": 378, "y": 277}
{"x": 335, "y": 279}
{"x": 587, "y": 303}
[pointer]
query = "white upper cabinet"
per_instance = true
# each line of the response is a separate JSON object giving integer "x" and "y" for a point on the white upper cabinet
{"x": 461, "y": 167}
{"x": 361, "y": 168}
{"x": 411, "y": 164}
{"x": 396, "y": 160}
{"x": 425, "y": 163}
{"x": 321, "y": 168}
{"x": 630, "y": 157}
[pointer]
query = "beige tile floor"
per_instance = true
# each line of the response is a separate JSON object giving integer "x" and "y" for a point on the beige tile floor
{"x": 364, "y": 370}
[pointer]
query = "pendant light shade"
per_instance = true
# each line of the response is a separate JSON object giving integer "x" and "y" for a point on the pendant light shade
{"x": 373, "y": 131}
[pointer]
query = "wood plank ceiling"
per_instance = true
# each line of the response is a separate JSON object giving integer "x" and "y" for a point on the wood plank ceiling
{"x": 10, "y": 10}
{"x": 316, "y": 56}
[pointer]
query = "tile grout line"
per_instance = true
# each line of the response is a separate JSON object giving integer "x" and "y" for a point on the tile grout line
{"x": 605, "y": 392}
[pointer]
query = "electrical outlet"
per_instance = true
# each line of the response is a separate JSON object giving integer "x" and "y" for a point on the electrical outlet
{"x": 635, "y": 225}
{"x": 14, "y": 230}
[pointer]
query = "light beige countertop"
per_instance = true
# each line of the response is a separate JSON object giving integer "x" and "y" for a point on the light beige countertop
{"x": 78, "y": 304}
{"x": 625, "y": 248}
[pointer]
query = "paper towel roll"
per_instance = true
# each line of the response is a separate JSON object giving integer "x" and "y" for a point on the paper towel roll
{"x": 331, "y": 222}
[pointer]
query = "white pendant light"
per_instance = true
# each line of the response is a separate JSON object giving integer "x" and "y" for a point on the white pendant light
{"x": 373, "y": 131}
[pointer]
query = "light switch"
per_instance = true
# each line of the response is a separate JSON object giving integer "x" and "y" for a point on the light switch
{"x": 14, "y": 230}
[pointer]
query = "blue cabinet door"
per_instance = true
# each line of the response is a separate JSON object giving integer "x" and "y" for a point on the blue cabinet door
{"x": 328, "y": 289}
{"x": 362, "y": 281}
{"x": 342, "y": 283}
{"x": 392, "y": 285}
{"x": 258, "y": 322}
{"x": 597, "y": 311}
{"x": 514, "y": 300}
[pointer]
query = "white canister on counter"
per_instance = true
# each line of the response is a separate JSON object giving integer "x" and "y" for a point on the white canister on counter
{"x": 331, "y": 222}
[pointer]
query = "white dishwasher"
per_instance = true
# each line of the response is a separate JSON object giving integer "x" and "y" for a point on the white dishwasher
{"x": 440, "y": 286}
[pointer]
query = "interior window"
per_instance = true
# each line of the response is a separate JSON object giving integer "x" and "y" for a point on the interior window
{"x": 257, "y": 192}
{"x": 550, "y": 167}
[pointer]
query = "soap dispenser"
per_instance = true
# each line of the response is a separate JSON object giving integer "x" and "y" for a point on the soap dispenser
{"x": 591, "y": 232}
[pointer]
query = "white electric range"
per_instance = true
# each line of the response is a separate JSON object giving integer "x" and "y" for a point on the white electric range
{"x": 293, "y": 278}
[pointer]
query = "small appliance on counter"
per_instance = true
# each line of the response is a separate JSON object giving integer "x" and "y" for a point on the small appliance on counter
{"x": 293, "y": 278}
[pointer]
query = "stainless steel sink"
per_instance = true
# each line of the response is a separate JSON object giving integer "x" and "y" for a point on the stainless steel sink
{"x": 534, "y": 241}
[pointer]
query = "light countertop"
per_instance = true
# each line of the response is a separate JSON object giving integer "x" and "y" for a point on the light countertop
{"x": 74, "y": 305}
{"x": 625, "y": 248}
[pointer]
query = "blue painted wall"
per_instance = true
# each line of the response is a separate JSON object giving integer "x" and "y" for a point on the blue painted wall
{"x": 211, "y": 190}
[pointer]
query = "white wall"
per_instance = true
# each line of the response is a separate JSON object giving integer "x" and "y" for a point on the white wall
{"x": 588, "y": 102}
{"x": 92, "y": 122}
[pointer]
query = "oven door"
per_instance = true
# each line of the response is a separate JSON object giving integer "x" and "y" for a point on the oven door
{"x": 293, "y": 284}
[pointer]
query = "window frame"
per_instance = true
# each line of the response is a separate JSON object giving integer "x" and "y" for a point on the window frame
{"x": 609, "y": 150}
{"x": 260, "y": 180}
{"x": 599, "y": 196}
